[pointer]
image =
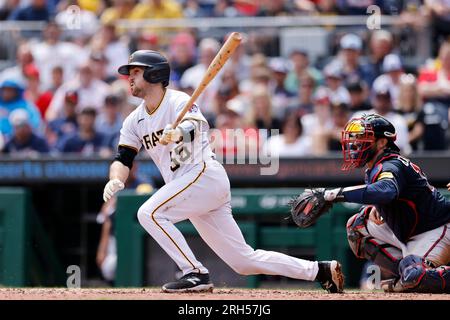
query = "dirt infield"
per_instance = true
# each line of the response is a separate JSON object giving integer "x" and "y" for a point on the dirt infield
{"x": 218, "y": 294}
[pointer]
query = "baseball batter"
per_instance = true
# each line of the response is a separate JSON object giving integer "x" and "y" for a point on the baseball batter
{"x": 196, "y": 186}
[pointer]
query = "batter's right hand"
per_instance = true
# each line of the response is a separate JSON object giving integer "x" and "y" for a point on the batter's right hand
{"x": 111, "y": 188}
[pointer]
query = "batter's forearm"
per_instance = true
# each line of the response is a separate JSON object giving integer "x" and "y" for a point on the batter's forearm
{"x": 119, "y": 171}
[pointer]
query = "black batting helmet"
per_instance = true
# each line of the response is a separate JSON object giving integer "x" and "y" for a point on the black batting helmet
{"x": 156, "y": 66}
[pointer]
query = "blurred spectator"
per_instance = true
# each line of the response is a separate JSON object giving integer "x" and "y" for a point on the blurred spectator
{"x": 280, "y": 96}
{"x": 128, "y": 105}
{"x": 120, "y": 9}
{"x": 24, "y": 57}
{"x": 434, "y": 122}
{"x": 225, "y": 8}
{"x": 305, "y": 98}
{"x": 307, "y": 6}
{"x": 157, "y": 9}
{"x": 348, "y": 60}
{"x": 382, "y": 103}
{"x": 381, "y": 44}
{"x": 106, "y": 41}
{"x": 247, "y": 8}
{"x": 99, "y": 63}
{"x": 148, "y": 41}
{"x": 352, "y": 7}
{"x": 327, "y": 7}
{"x": 7, "y": 7}
{"x": 53, "y": 52}
{"x": 260, "y": 113}
{"x": 33, "y": 92}
{"x": 95, "y": 6}
{"x": 24, "y": 142}
{"x": 434, "y": 83}
{"x": 316, "y": 123}
{"x": 291, "y": 143}
{"x": 87, "y": 140}
{"x": 192, "y": 9}
{"x": 37, "y": 10}
{"x": 340, "y": 115}
{"x": 440, "y": 18}
{"x": 392, "y": 71}
{"x": 182, "y": 56}
{"x": 67, "y": 124}
{"x": 228, "y": 89}
{"x": 192, "y": 77}
{"x": 258, "y": 73}
{"x": 410, "y": 107}
{"x": 57, "y": 78}
{"x": 232, "y": 136}
{"x": 358, "y": 96}
{"x": 11, "y": 98}
{"x": 110, "y": 120}
{"x": 334, "y": 88}
{"x": 240, "y": 62}
{"x": 272, "y": 8}
{"x": 91, "y": 93}
{"x": 300, "y": 66}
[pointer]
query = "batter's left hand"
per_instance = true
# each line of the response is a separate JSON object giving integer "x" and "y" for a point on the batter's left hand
{"x": 170, "y": 135}
{"x": 448, "y": 186}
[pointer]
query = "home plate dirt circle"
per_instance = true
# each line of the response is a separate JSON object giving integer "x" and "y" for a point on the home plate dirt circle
{"x": 218, "y": 294}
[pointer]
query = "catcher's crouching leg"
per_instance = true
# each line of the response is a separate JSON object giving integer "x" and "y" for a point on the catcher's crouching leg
{"x": 364, "y": 246}
{"x": 417, "y": 275}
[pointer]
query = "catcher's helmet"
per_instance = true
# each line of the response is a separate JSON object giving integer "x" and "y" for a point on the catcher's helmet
{"x": 156, "y": 66}
{"x": 359, "y": 136}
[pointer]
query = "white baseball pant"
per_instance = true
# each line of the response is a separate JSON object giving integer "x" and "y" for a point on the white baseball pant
{"x": 203, "y": 196}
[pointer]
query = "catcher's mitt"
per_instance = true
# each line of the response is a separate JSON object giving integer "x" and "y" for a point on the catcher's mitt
{"x": 309, "y": 206}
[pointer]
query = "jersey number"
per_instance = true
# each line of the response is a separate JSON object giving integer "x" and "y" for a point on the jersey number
{"x": 179, "y": 154}
{"x": 417, "y": 169}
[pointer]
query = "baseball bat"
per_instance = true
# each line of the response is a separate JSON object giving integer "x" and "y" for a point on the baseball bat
{"x": 218, "y": 62}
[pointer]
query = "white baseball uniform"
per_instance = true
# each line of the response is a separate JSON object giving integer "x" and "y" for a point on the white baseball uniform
{"x": 197, "y": 188}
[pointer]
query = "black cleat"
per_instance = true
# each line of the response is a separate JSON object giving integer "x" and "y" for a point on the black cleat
{"x": 330, "y": 276}
{"x": 191, "y": 282}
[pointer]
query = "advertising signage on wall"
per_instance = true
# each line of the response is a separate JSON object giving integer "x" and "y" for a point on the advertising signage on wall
{"x": 324, "y": 170}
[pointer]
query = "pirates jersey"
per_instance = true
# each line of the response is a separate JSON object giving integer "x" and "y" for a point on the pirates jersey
{"x": 143, "y": 129}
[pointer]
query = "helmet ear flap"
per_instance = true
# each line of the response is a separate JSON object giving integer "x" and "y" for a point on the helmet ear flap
{"x": 147, "y": 74}
{"x": 156, "y": 75}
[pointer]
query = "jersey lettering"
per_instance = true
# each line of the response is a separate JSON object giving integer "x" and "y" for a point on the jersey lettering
{"x": 150, "y": 141}
{"x": 147, "y": 143}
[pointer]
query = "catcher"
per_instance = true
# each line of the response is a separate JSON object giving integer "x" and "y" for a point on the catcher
{"x": 404, "y": 226}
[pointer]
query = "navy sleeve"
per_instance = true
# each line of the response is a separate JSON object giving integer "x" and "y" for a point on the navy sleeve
{"x": 388, "y": 186}
{"x": 397, "y": 168}
{"x": 380, "y": 192}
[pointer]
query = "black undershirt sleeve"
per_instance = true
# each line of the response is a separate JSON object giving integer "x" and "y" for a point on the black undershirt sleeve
{"x": 125, "y": 155}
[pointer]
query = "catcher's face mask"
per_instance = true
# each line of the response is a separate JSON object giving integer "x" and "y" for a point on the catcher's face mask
{"x": 358, "y": 142}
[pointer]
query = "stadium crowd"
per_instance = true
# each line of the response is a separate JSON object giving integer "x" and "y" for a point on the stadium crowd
{"x": 63, "y": 93}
